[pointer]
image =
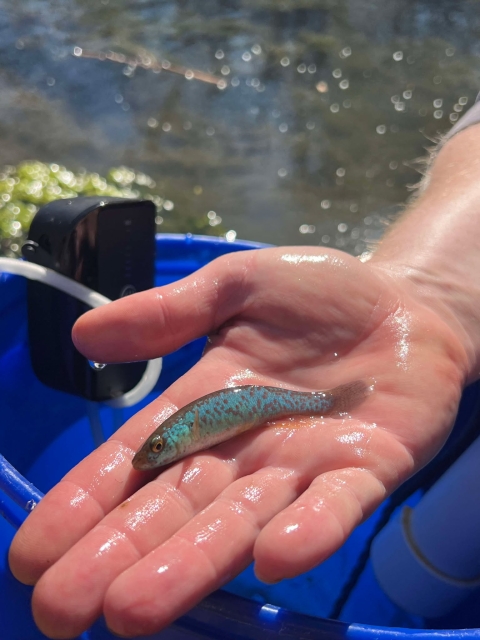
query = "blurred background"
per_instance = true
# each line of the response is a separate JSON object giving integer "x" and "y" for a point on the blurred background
{"x": 283, "y": 121}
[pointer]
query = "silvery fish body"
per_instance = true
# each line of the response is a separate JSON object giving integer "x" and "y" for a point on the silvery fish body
{"x": 224, "y": 414}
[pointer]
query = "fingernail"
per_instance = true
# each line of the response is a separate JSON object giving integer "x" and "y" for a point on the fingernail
{"x": 262, "y": 578}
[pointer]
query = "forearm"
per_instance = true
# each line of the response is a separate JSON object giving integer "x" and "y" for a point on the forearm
{"x": 435, "y": 247}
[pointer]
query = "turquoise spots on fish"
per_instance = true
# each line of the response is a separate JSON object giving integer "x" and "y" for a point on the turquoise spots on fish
{"x": 224, "y": 414}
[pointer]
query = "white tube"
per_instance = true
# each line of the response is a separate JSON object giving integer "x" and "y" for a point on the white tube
{"x": 92, "y": 299}
{"x": 428, "y": 559}
{"x": 56, "y": 280}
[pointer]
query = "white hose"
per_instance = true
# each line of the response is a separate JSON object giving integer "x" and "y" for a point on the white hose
{"x": 92, "y": 299}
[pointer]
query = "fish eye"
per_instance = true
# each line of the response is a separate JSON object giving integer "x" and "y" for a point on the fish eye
{"x": 156, "y": 444}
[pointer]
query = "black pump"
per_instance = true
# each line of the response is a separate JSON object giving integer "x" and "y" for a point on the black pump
{"x": 107, "y": 244}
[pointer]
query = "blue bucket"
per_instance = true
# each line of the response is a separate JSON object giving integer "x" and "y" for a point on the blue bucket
{"x": 37, "y": 427}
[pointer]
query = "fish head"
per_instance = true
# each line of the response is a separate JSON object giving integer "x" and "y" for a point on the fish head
{"x": 165, "y": 445}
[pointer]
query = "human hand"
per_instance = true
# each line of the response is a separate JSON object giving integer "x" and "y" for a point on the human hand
{"x": 144, "y": 549}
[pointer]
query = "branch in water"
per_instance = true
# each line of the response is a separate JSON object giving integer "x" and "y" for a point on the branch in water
{"x": 151, "y": 63}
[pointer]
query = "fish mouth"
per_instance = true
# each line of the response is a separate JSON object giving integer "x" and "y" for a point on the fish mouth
{"x": 141, "y": 462}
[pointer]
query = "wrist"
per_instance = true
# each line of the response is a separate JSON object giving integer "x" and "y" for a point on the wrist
{"x": 434, "y": 249}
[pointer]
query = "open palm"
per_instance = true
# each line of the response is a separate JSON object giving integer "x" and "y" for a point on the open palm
{"x": 142, "y": 548}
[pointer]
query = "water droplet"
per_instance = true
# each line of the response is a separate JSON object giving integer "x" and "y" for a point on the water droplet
{"x": 438, "y": 114}
{"x": 381, "y": 129}
{"x": 344, "y": 84}
{"x": 302, "y": 68}
{"x": 337, "y": 73}
{"x": 463, "y": 100}
{"x": 334, "y": 108}
{"x": 96, "y": 366}
{"x": 450, "y": 51}
{"x": 437, "y": 103}
{"x": 325, "y": 239}
{"x": 219, "y": 55}
{"x": 407, "y": 94}
{"x": 342, "y": 227}
{"x": 166, "y": 126}
{"x": 398, "y": 55}
{"x": 283, "y": 128}
{"x": 231, "y": 235}
{"x": 340, "y": 172}
{"x": 168, "y": 205}
{"x": 325, "y": 204}
{"x": 152, "y": 122}
{"x": 257, "y": 49}
{"x": 30, "y": 506}
{"x": 246, "y": 56}
{"x": 312, "y": 68}
{"x": 282, "y": 173}
{"x": 285, "y": 61}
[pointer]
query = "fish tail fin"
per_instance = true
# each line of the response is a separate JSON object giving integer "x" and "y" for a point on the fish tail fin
{"x": 348, "y": 396}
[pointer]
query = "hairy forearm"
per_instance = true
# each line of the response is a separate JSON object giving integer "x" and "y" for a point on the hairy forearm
{"x": 435, "y": 246}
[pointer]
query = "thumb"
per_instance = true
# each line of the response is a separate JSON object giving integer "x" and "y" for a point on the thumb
{"x": 156, "y": 322}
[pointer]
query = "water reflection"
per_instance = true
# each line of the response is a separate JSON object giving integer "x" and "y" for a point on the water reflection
{"x": 307, "y": 135}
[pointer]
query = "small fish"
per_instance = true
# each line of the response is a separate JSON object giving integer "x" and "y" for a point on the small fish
{"x": 221, "y": 415}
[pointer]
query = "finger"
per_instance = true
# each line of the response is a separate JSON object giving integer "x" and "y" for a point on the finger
{"x": 316, "y": 524}
{"x": 156, "y": 322}
{"x": 321, "y": 519}
{"x": 83, "y": 574}
{"x": 209, "y": 550}
{"x": 90, "y": 490}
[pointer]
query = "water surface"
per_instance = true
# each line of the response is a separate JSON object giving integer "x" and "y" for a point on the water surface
{"x": 323, "y": 108}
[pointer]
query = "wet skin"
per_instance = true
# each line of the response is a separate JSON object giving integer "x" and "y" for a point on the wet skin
{"x": 143, "y": 548}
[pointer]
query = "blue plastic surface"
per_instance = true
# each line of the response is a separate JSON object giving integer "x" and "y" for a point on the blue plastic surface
{"x": 43, "y": 433}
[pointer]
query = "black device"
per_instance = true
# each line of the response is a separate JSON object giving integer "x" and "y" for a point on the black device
{"x": 107, "y": 244}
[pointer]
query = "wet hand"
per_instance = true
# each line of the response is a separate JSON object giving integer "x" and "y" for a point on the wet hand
{"x": 144, "y": 548}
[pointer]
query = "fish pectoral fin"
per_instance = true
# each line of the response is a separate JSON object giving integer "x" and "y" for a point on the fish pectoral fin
{"x": 196, "y": 426}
